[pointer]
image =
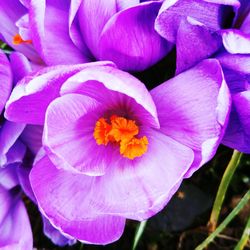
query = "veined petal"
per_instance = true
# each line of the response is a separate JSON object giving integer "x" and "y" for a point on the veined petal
{"x": 68, "y": 135}
{"x": 141, "y": 47}
{"x": 116, "y": 90}
{"x": 5, "y": 80}
{"x": 194, "y": 43}
{"x": 50, "y": 33}
{"x": 91, "y": 26}
{"x": 193, "y": 108}
{"x": 135, "y": 189}
{"x": 32, "y": 95}
{"x": 101, "y": 229}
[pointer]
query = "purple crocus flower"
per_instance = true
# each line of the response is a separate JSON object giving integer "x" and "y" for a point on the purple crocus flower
{"x": 14, "y": 221}
{"x": 194, "y": 26}
{"x": 68, "y": 32}
{"x": 113, "y": 150}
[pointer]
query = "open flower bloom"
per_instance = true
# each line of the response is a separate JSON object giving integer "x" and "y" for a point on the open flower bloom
{"x": 194, "y": 25}
{"x": 14, "y": 221}
{"x": 68, "y": 32}
{"x": 113, "y": 150}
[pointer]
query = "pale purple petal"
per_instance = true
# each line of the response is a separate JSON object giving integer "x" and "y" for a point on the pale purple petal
{"x": 68, "y": 131}
{"x": 101, "y": 229}
{"x": 133, "y": 189}
{"x": 236, "y": 42}
{"x": 130, "y": 40}
{"x": 32, "y": 95}
{"x": 193, "y": 108}
{"x": 113, "y": 88}
{"x": 5, "y": 80}
{"x": 93, "y": 15}
{"x": 50, "y": 34}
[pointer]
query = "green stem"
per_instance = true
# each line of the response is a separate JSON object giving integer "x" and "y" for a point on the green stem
{"x": 222, "y": 226}
{"x": 138, "y": 234}
{"x": 81, "y": 246}
{"x": 245, "y": 236}
{"x": 225, "y": 181}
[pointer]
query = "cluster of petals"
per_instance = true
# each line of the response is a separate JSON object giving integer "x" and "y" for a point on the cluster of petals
{"x": 106, "y": 148}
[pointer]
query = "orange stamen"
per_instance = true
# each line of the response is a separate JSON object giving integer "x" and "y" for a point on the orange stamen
{"x": 17, "y": 39}
{"x": 101, "y": 132}
{"x": 122, "y": 132}
{"x": 134, "y": 148}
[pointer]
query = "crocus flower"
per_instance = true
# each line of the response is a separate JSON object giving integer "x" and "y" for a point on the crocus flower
{"x": 68, "y": 32}
{"x": 194, "y": 26}
{"x": 111, "y": 149}
{"x": 14, "y": 221}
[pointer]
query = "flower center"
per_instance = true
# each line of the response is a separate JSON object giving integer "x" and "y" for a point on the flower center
{"x": 122, "y": 132}
{"x": 17, "y": 39}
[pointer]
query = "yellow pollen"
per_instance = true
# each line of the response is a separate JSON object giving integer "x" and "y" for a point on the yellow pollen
{"x": 121, "y": 131}
{"x": 17, "y": 39}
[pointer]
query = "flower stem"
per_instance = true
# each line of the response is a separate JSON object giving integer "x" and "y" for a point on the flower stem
{"x": 139, "y": 232}
{"x": 225, "y": 181}
{"x": 245, "y": 236}
{"x": 220, "y": 228}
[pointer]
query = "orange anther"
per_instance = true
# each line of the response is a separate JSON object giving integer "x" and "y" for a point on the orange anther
{"x": 17, "y": 39}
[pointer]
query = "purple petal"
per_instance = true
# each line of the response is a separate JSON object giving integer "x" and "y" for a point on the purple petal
{"x": 16, "y": 153}
{"x": 134, "y": 189}
{"x": 68, "y": 217}
{"x": 193, "y": 109}
{"x": 50, "y": 33}
{"x": 9, "y": 133}
{"x": 141, "y": 47}
{"x": 10, "y": 13}
{"x": 113, "y": 87}
{"x": 32, "y": 137}
{"x": 31, "y": 97}
{"x": 91, "y": 26}
{"x": 172, "y": 12}
{"x": 20, "y": 65}
{"x": 236, "y": 42}
{"x": 55, "y": 236}
{"x": 237, "y": 135}
{"x": 5, "y": 80}
{"x": 68, "y": 131}
{"x": 15, "y": 227}
{"x": 8, "y": 178}
{"x": 195, "y": 42}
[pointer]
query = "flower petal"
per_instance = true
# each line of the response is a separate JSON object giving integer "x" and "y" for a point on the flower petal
{"x": 194, "y": 43}
{"x": 141, "y": 47}
{"x": 15, "y": 227}
{"x": 133, "y": 189}
{"x": 237, "y": 135}
{"x": 32, "y": 95}
{"x": 113, "y": 88}
{"x": 50, "y": 33}
{"x": 236, "y": 42}
{"x": 5, "y": 80}
{"x": 67, "y": 216}
{"x": 68, "y": 134}
{"x": 193, "y": 108}
{"x": 91, "y": 26}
